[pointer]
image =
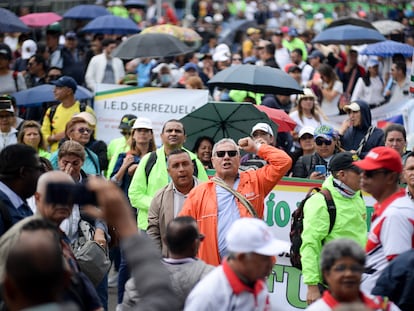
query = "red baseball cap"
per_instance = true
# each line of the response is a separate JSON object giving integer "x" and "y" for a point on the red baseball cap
{"x": 381, "y": 157}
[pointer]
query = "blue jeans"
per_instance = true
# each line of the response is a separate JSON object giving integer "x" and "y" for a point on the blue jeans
{"x": 102, "y": 290}
{"x": 123, "y": 276}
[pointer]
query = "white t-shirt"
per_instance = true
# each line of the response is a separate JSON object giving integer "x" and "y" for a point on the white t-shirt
{"x": 391, "y": 233}
{"x": 372, "y": 94}
{"x": 330, "y": 108}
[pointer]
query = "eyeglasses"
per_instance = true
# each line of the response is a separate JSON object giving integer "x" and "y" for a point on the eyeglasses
{"x": 201, "y": 237}
{"x": 353, "y": 268}
{"x": 321, "y": 141}
{"x": 31, "y": 64}
{"x": 230, "y": 153}
{"x": 372, "y": 173}
{"x": 6, "y": 116}
{"x": 84, "y": 130}
{"x": 236, "y": 59}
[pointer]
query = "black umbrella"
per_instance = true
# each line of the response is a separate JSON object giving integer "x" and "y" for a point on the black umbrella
{"x": 9, "y": 22}
{"x": 151, "y": 45}
{"x": 223, "y": 120}
{"x": 258, "y": 79}
{"x": 351, "y": 21}
{"x": 231, "y": 31}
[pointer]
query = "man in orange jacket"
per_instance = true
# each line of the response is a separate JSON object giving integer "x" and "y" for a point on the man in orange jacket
{"x": 215, "y": 208}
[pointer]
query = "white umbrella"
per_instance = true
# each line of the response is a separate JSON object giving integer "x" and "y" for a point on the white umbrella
{"x": 387, "y": 27}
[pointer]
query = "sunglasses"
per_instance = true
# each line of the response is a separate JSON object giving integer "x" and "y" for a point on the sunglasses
{"x": 201, "y": 237}
{"x": 372, "y": 173}
{"x": 230, "y": 153}
{"x": 84, "y": 130}
{"x": 236, "y": 58}
{"x": 321, "y": 141}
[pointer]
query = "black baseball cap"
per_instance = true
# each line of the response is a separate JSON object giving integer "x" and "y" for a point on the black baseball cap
{"x": 343, "y": 161}
{"x": 127, "y": 121}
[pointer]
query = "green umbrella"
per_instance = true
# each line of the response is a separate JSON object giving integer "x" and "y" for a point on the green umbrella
{"x": 223, "y": 120}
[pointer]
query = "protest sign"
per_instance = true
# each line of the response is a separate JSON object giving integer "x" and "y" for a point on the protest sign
{"x": 158, "y": 104}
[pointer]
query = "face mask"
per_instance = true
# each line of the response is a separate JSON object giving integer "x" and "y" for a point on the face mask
{"x": 165, "y": 79}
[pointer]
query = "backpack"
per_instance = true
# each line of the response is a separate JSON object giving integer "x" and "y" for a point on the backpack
{"x": 151, "y": 162}
{"x": 82, "y": 108}
{"x": 297, "y": 224}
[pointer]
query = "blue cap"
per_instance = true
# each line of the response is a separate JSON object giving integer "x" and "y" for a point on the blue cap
{"x": 316, "y": 53}
{"x": 325, "y": 131}
{"x": 66, "y": 81}
{"x": 293, "y": 32}
{"x": 190, "y": 66}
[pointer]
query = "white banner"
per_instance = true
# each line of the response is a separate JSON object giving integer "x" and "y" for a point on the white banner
{"x": 288, "y": 293}
{"x": 158, "y": 104}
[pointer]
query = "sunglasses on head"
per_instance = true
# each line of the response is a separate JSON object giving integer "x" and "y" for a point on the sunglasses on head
{"x": 230, "y": 153}
{"x": 321, "y": 141}
{"x": 83, "y": 130}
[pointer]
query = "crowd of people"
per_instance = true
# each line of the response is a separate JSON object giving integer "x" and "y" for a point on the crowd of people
{"x": 171, "y": 228}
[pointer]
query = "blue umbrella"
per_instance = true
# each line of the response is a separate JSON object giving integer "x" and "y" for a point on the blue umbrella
{"x": 388, "y": 48}
{"x": 140, "y": 4}
{"x": 111, "y": 24}
{"x": 9, "y": 22}
{"x": 86, "y": 11}
{"x": 37, "y": 95}
{"x": 348, "y": 35}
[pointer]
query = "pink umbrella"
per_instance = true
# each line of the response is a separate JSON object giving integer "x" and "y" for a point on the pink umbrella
{"x": 40, "y": 19}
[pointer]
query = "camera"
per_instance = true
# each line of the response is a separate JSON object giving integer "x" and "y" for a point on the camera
{"x": 67, "y": 193}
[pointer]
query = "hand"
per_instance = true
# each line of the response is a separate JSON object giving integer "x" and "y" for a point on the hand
{"x": 317, "y": 176}
{"x": 99, "y": 237}
{"x": 131, "y": 169}
{"x": 114, "y": 205}
{"x": 247, "y": 144}
{"x": 344, "y": 126}
{"x": 313, "y": 294}
{"x": 68, "y": 169}
{"x": 128, "y": 160}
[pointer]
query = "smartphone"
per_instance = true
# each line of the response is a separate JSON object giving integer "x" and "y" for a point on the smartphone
{"x": 321, "y": 169}
{"x": 67, "y": 193}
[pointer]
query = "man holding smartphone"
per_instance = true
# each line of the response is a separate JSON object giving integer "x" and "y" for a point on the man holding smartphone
{"x": 350, "y": 221}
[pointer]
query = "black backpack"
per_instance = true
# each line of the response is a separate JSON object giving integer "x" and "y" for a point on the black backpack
{"x": 82, "y": 108}
{"x": 297, "y": 224}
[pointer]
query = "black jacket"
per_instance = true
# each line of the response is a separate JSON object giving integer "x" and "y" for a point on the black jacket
{"x": 397, "y": 281}
{"x": 353, "y": 135}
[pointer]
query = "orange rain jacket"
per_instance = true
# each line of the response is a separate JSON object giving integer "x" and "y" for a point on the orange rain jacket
{"x": 201, "y": 203}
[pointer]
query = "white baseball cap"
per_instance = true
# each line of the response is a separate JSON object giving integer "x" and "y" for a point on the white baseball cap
{"x": 262, "y": 127}
{"x": 306, "y": 130}
{"x": 142, "y": 123}
{"x": 253, "y": 235}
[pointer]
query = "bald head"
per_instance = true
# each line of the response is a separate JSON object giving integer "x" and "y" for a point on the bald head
{"x": 54, "y": 212}
{"x": 52, "y": 176}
